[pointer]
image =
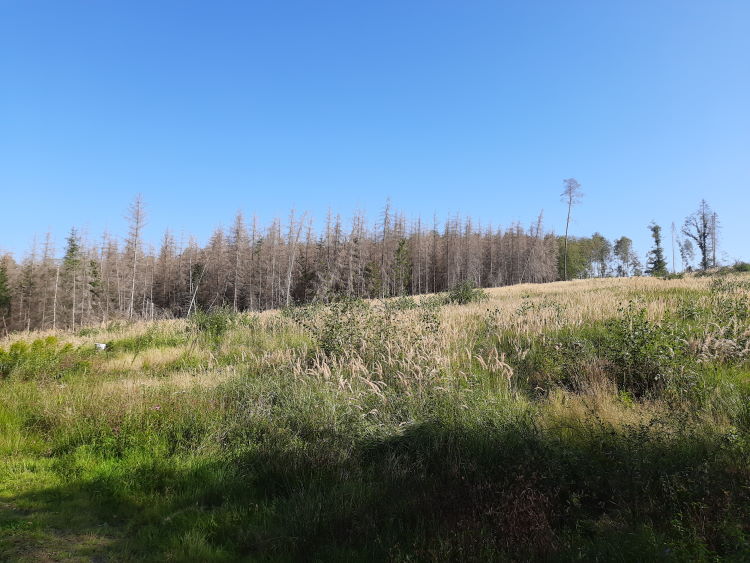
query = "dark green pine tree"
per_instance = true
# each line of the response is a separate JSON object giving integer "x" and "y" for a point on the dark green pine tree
{"x": 71, "y": 264}
{"x": 656, "y": 265}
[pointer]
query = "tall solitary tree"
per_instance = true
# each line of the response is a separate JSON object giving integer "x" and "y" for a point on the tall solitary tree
{"x": 571, "y": 195}
{"x": 657, "y": 266}
{"x": 700, "y": 226}
{"x": 623, "y": 251}
{"x": 71, "y": 267}
{"x": 137, "y": 219}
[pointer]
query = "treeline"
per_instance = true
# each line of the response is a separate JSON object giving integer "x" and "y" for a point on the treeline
{"x": 596, "y": 256}
{"x": 253, "y": 267}
{"x": 250, "y": 267}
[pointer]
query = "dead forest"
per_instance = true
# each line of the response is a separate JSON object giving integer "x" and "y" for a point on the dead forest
{"x": 257, "y": 267}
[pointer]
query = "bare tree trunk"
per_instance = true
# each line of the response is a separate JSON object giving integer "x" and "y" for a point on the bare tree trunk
{"x": 713, "y": 239}
{"x": 571, "y": 195}
{"x": 195, "y": 292}
{"x": 137, "y": 217}
{"x": 673, "y": 241}
{"x": 292, "y": 243}
{"x": 54, "y": 302}
{"x": 384, "y": 243}
{"x": 565, "y": 259}
{"x": 73, "y": 309}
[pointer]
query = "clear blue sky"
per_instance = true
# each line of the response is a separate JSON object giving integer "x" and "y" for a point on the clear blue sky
{"x": 473, "y": 107}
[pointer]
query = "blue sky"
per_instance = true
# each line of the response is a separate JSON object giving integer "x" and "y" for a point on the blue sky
{"x": 474, "y": 107}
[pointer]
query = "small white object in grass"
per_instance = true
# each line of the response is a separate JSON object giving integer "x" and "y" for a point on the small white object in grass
{"x": 100, "y": 346}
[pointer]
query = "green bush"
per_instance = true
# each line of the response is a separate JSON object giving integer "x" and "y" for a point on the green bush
{"x": 642, "y": 352}
{"x": 344, "y": 327}
{"x": 466, "y": 292}
{"x": 214, "y": 324}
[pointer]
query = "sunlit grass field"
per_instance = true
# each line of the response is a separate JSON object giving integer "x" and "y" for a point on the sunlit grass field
{"x": 590, "y": 420}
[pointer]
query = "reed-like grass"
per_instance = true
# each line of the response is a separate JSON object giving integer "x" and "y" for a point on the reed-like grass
{"x": 588, "y": 420}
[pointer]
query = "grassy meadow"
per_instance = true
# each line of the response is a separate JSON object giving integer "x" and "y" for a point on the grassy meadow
{"x": 594, "y": 420}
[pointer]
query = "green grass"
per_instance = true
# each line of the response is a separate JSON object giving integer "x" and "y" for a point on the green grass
{"x": 408, "y": 432}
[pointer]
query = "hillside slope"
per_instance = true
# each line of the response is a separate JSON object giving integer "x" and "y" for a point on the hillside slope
{"x": 600, "y": 419}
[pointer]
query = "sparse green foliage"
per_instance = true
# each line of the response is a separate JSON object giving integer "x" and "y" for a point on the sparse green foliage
{"x": 627, "y": 258}
{"x": 404, "y": 303}
{"x": 213, "y": 324}
{"x": 466, "y": 292}
{"x": 701, "y": 227}
{"x": 592, "y": 257}
{"x": 642, "y": 353}
{"x": 601, "y": 255}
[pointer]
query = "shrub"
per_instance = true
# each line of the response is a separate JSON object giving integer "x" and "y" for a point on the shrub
{"x": 466, "y": 292}
{"x": 641, "y": 351}
{"x": 433, "y": 301}
{"x": 88, "y": 331}
{"x": 344, "y": 327}
{"x": 213, "y": 324}
{"x": 403, "y": 303}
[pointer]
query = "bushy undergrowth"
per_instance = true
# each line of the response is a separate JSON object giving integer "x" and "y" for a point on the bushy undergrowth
{"x": 154, "y": 337}
{"x": 43, "y": 358}
{"x": 466, "y": 292}
{"x": 400, "y": 430}
{"x": 213, "y": 325}
{"x": 383, "y": 342}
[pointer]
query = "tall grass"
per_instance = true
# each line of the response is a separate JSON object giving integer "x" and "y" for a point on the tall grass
{"x": 596, "y": 420}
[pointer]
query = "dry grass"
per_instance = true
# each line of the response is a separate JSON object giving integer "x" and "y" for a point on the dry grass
{"x": 134, "y": 386}
{"x": 297, "y": 427}
{"x": 372, "y": 363}
{"x": 99, "y": 333}
{"x": 152, "y": 357}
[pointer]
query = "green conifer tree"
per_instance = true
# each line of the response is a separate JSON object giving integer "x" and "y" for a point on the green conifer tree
{"x": 656, "y": 265}
{"x": 71, "y": 265}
